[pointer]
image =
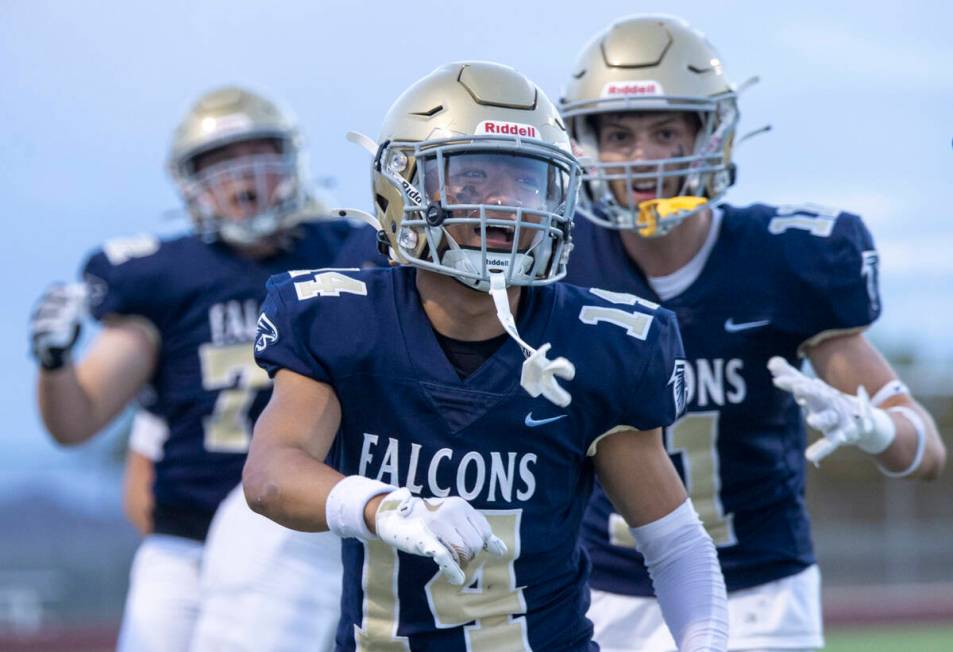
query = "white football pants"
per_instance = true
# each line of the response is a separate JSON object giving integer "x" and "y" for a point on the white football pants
{"x": 163, "y": 600}
{"x": 784, "y": 615}
{"x": 266, "y": 588}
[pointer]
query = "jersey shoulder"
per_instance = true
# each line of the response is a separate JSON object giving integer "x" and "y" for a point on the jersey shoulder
{"x": 627, "y": 348}
{"x": 806, "y": 239}
{"x": 131, "y": 275}
{"x": 318, "y": 290}
{"x": 820, "y": 259}
{"x": 354, "y": 243}
{"x": 323, "y": 322}
{"x": 639, "y": 320}
{"x": 327, "y": 229}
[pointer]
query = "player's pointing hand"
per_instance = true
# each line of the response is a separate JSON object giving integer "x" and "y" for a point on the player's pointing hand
{"x": 449, "y": 530}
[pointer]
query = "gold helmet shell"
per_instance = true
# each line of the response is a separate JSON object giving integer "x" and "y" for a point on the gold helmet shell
{"x": 652, "y": 63}
{"x": 223, "y": 116}
{"x": 462, "y": 108}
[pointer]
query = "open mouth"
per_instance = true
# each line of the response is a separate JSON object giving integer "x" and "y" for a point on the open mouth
{"x": 497, "y": 237}
{"x": 644, "y": 190}
{"x": 246, "y": 197}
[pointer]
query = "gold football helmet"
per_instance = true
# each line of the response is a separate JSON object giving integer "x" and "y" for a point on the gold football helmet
{"x": 236, "y": 159}
{"x": 474, "y": 174}
{"x": 652, "y": 63}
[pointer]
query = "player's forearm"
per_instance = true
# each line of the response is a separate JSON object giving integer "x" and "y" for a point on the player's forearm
{"x": 904, "y": 451}
{"x": 68, "y": 413}
{"x": 289, "y": 486}
{"x": 687, "y": 579}
{"x": 78, "y": 400}
{"x": 137, "y": 500}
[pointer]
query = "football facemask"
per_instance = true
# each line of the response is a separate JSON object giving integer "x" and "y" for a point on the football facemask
{"x": 246, "y": 199}
{"x": 484, "y": 205}
{"x": 704, "y": 176}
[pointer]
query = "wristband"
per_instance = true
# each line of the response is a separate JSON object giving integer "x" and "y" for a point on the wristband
{"x": 888, "y": 391}
{"x": 921, "y": 429}
{"x": 881, "y": 435}
{"x": 148, "y": 435}
{"x": 344, "y": 510}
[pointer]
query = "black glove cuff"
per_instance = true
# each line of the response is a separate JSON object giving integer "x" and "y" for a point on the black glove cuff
{"x": 54, "y": 359}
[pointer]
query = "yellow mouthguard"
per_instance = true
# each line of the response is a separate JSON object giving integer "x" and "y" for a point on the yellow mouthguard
{"x": 653, "y": 210}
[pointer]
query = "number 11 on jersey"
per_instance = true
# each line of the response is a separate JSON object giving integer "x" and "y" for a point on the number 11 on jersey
{"x": 694, "y": 438}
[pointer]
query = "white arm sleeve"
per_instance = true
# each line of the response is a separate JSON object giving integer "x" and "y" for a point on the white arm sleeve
{"x": 148, "y": 434}
{"x": 683, "y": 564}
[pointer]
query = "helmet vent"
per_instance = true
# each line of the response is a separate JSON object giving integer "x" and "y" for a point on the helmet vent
{"x": 636, "y": 45}
{"x": 382, "y": 202}
{"x": 488, "y": 87}
{"x": 429, "y": 114}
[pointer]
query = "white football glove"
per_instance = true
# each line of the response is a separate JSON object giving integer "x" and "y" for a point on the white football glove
{"x": 56, "y": 323}
{"x": 449, "y": 530}
{"x": 539, "y": 376}
{"x": 841, "y": 418}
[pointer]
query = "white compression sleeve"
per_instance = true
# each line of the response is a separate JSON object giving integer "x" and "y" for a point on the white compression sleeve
{"x": 683, "y": 564}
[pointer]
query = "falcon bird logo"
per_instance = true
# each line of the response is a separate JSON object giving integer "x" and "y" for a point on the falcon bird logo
{"x": 677, "y": 381}
{"x": 267, "y": 333}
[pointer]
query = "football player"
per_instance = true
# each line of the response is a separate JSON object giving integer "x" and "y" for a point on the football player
{"x": 179, "y": 316}
{"x": 463, "y": 456}
{"x": 755, "y": 290}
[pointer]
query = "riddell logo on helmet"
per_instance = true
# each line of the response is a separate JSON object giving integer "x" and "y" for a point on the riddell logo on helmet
{"x": 227, "y": 123}
{"x": 637, "y": 87}
{"x": 507, "y": 129}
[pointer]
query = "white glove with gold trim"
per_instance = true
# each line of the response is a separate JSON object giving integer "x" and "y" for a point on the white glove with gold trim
{"x": 841, "y": 418}
{"x": 449, "y": 530}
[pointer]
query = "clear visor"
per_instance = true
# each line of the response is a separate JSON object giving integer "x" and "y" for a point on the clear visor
{"x": 496, "y": 179}
{"x": 494, "y": 198}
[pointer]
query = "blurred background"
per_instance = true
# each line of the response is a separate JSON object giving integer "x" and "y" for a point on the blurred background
{"x": 859, "y": 96}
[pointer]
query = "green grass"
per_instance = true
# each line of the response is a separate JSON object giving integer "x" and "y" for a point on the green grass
{"x": 924, "y": 638}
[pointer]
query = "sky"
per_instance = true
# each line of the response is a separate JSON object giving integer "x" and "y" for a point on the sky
{"x": 859, "y": 96}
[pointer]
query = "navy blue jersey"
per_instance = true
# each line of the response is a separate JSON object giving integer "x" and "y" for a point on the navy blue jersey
{"x": 409, "y": 420}
{"x": 203, "y": 300}
{"x": 774, "y": 279}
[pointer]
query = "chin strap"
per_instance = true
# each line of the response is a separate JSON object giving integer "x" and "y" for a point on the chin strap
{"x": 539, "y": 373}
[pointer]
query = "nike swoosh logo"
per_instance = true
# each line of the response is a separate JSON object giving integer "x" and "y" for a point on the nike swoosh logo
{"x": 430, "y": 508}
{"x": 535, "y": 423}
{"x": 732, "y": 327}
